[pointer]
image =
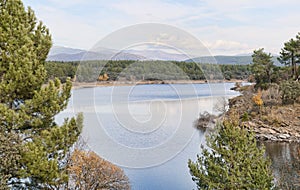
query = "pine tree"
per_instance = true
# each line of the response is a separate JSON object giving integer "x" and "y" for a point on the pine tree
{"x": 27, "y": 106}
{"x": 10, "y": 146}
{"x": 233, "y": 161}
{"x": 290, "y": 54}
{"x": 262, "y": 67}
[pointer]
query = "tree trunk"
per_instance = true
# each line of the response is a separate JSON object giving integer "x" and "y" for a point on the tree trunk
{"x": 294, "y": 66}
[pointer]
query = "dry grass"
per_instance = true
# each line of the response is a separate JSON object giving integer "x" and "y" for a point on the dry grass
{"x": 272, "y": 112}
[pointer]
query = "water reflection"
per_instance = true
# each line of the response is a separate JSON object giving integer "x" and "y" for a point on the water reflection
{"x": 285, "y": 159}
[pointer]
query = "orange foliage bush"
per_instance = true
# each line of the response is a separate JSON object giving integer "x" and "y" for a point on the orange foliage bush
{"x": 104, "y": 77}
{"x": 90, "y": 172}
{"x": 257, "y": 98}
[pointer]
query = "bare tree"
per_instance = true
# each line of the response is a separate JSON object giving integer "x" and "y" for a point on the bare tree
{"x": 88, "y": 171}
{"x": 221, "y": 105}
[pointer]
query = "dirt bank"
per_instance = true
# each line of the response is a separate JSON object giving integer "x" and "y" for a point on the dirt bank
{"x": 272, "y": 121}
{"x": 77, "y": 85}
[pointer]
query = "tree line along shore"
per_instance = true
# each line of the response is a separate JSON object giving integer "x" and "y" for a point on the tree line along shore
{"x": 128, "y": 71}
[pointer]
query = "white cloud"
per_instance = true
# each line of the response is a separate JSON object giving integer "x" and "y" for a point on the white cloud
{"x": 239, "y": 5}
{"x": 66, "y": 3}
{"x": 66, "y": 29}
{"x": 231, "y": 26}
{"x": 152, "y": 10}
{"x": 227, "y": 47}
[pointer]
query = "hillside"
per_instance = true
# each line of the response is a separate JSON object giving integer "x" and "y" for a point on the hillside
{"x": 88, "y": 55}
{"x": 58, "y": 53}
{"x": 227, "y": 60}
{"x": 64, "y": 50}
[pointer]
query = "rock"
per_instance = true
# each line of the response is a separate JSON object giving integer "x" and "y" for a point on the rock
{"x": 266, "y": 137}
{"x": 284, "y": 124}
{"x": 297, "y": 135}
{"x": 256, "y": 130}
{"x": 271, "y": 131}
{"x": 251, "y": 124}
{"x": 267, "y": 131}
{"x": 273, "y": 138}
{"x": 276, "y": 130}
{"x": 284, "y": 136}
{"x": 284, "y": 131}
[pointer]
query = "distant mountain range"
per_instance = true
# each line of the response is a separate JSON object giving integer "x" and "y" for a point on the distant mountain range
{"x": 225, "y": 60}
{"x": 58, "y": 53}
{"x": 56, "y": 50}
{"x": 87, "y": 55}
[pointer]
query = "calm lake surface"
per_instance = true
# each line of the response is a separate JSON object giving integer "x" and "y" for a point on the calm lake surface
{"x": 148, "y": 129}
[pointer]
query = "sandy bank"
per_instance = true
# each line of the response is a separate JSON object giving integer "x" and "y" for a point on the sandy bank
{"x": 77, "y": 85}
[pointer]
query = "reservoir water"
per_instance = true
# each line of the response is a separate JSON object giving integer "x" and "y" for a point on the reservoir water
{"x": 148, "y": 129}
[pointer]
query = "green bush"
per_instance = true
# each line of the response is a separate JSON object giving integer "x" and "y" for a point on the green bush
{"x": 245, "y": 117}
{"x": 290, "y": 91}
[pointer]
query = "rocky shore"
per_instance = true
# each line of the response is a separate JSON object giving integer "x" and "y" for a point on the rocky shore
{"x": 285, "y": 133}
{"x": 270, "y": 122}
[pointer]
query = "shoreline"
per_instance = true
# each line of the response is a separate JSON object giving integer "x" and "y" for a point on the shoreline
{"x": 279, "y": 123}
{"x": 276, "y": 123}
{"x": 79, "y": 85}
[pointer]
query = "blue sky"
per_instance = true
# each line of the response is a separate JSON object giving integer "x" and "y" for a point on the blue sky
{"x": 225, "y": 27}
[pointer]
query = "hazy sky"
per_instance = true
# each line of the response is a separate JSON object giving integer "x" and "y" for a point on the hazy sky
{"x": 225, "y": 27}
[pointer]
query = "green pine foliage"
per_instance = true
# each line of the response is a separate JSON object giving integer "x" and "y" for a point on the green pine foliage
{"x": 262, "y": 68}
{"x": 290, "y": 91}
{"x": 290, "y": 55}
{"x": 61, "y": 70}
{"x": 232, "y": 161}
{"x": 33, "y": 147}
{"x": 10, "y": 146}
{"x": 88, "y": 71}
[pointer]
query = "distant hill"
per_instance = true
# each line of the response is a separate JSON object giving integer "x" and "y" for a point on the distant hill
{"x": 158, "y": 55}
{"x": 226, "y": 60}
{"x": 85, "y": 56}
{"x": 64, "y": 50}
{"x": 69, "y": 54}
{"x": 58, "y": 53}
